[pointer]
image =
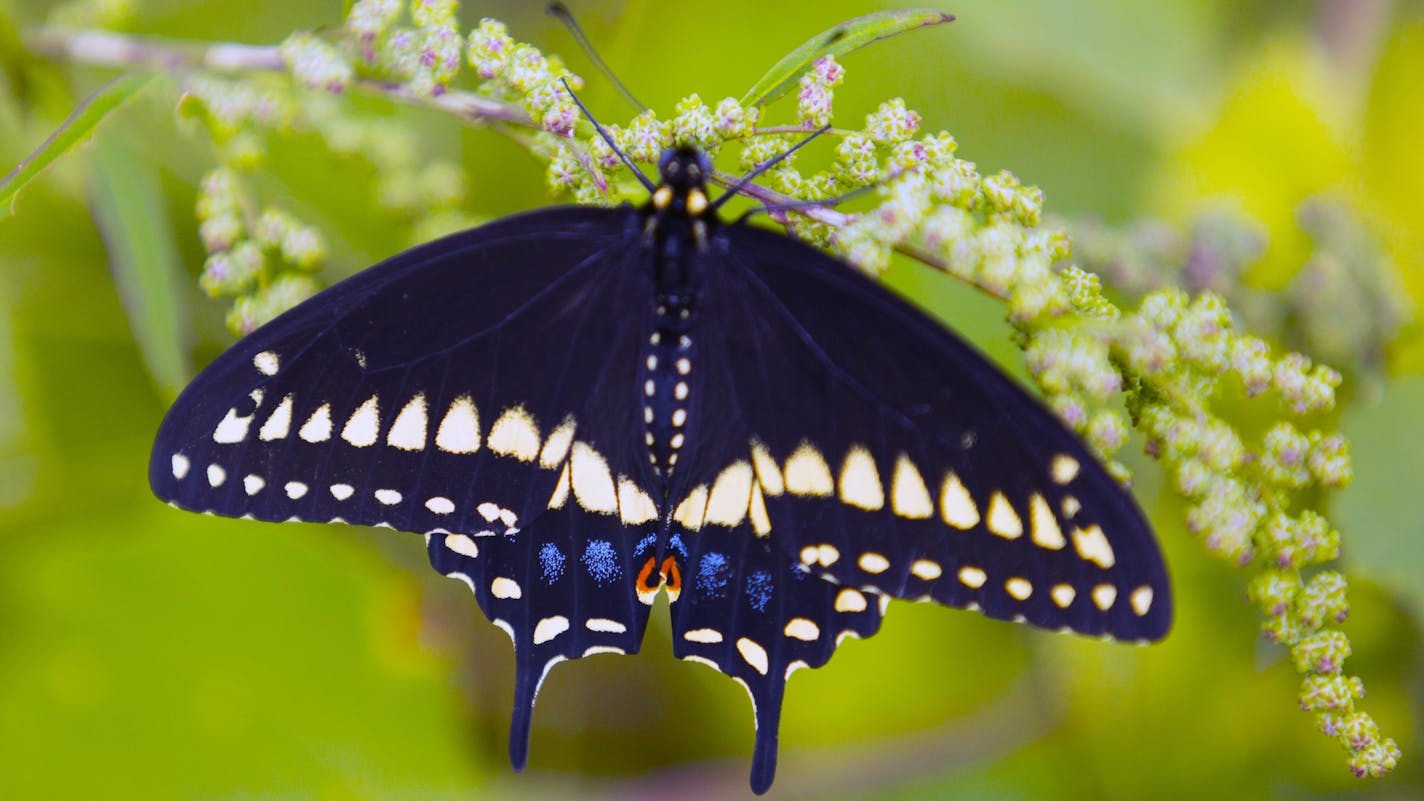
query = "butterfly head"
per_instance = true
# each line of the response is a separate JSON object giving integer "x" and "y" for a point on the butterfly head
{"x": 683, "y": 172}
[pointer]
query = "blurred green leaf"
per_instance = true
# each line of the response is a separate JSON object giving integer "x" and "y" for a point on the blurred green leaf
{"x": 1382, "y": 514}
{"x": 71, "y": 132}
{"x": 129, "y": 209}
{"x": 837, "y": 41}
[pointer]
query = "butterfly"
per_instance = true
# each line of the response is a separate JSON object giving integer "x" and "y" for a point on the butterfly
{"x": 581, "y": 408}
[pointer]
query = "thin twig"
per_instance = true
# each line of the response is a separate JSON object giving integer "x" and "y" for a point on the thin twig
{"x": 106, "y": 49}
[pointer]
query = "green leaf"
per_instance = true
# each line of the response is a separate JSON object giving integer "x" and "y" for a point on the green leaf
{"x": 837, "y": 41}
{"x": 129, "y": 209}
{"x": 72, "y": 131}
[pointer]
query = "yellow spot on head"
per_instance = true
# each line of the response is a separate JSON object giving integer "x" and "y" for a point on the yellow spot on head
{"x": 696, "y": 202}
{"x": 662, "y": 197}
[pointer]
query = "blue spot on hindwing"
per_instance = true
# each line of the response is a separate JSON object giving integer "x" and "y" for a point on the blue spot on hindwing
{"x": 675, "y": 543}
{"x": 759, "y": 589}
{"x": 601, "y": 561}
{"x": 644, "y": 544}
{"x": 551, "y": 560}
{"x": 712, "y": 574}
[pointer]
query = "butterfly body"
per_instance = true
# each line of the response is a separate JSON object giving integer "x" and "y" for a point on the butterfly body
{"x": 582, "y": 408}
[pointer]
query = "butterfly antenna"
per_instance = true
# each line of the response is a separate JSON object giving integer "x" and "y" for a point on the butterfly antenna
{"x": 764, "y": 166}
{"x": 562, "y": 13}
{"x": 793, "y": 205}
{"x": 607, "y": 137}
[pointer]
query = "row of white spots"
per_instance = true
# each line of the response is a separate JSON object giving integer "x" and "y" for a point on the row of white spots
{"x": 587, "y": 477}
{"x": 738, "y": 492}
{"x": 1103, "y": 595}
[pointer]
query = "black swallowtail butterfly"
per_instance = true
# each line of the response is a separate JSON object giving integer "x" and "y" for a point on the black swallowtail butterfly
{"x": 583, "y": 407}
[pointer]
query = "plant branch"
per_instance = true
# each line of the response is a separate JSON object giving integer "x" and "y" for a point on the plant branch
{"x": 123, "y": 51}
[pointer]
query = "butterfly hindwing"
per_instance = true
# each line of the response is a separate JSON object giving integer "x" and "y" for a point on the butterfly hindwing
{"x": 890, "y": 456}
{"x": 749, "y": 610}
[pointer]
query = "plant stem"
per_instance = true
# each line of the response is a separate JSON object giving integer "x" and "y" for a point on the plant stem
{"x": 106, "y": 49}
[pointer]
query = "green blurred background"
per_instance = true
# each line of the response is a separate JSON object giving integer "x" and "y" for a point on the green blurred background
{"x": 154, "y": 654}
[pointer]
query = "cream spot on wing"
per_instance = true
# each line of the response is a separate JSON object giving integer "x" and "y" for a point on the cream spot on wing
{"x": 561, "y": 490}
{"x": 1104, "y": 596}
{"x": 462, "y": 544}
{"x": 594, "y": 650}
{"x": 1065, "y": 468}
{"x": 680, "y": 391}
{"x": 180, "y": 466}
{"x": 860, "y": 481}
{"x": 604, "y": 625}
{"x": 704, "y": 636}
{"x": 506, "y": 588}
{"x": 342, "y": 491}
{"x": 795, "y": 666}
{"x": 972, "y": 577}
{"x": 253, "y": 484}
{"x": 317, "y": 428}
{"x": 279, "y": 423}
{"x": 807, "y": 472}
{"x": 232, "y": 428}
{"x": 850, "y": 600}
{"x": 872, "y": 562}
{"x": 731, "y": 495}
{"x": 1093, "y": 546}
{"x": 591, "y": 479}
{"x": 1003, "y": 520}
{"x": 1141, "y": 599}
{"x": 459, "y": 430}
{"x": 1019, "y": 588}
{"x": 364, "y": 426}
{"x": 1063, "y": 595}
{"x": 909, "y": 497}
{"x": 389, "y": 497}
{"x": 489, "y": 511}
{"x": 824, "y": 555}
{"x": 693, "y": 509}
{"x": 761, "y": 521}
{"x": 549, "y": 628}
{"x": 955, "y": 505}
{"x": 679, "y": 417}
{"x": 515, "y": 434}
{"x": 295, "y": 489}
{"x": 556, "y": 447}
{"x": 767, "y": 473}
{"x": 926, "y": 569}
{"x": 1046, "y": 533}
{"x": 683, "y": 368}
{"x": 266, "y": 362}
{"x": 1070, "y": 506}
{"x": 216, "y": 475}
{"x": 754, "y": 654}
{"x": 440, "y": 506}
{"x": 803, "y": 629}
{"x": 634, "y": 505}
{"x": 408, "y": 431}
